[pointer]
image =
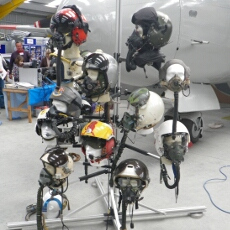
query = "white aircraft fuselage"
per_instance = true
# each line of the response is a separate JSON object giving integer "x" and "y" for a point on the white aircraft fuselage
{"x": 200, "y": 35}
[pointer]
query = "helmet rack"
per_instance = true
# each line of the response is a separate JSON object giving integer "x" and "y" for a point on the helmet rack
{"x": 112, "y": 213}
{"x": 110, "y": 203}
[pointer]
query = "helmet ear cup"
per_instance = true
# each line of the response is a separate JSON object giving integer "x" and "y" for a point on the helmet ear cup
{"x": 38, "y": 130}
{"x": 78, "y": 36}
{"x": 110, "y": 144}
{"x": 83, "y": 149}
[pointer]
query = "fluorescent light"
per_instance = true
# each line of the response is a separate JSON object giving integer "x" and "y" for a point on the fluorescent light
{"x": 54, "y": 3}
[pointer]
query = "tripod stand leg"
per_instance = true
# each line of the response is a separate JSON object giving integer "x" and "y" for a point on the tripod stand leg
{"x": 124, "y": 208}
{"x": 117, "y": 222}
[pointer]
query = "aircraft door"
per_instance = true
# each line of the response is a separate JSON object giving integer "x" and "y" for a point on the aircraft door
{"x": 204, "y": 39}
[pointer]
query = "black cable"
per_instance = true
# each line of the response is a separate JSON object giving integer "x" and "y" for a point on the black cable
{"x": 30, "y": 210}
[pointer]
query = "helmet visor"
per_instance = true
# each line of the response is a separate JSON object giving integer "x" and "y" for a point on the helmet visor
{"x": 124, "y": 182}
{"x": 96, "y": 143}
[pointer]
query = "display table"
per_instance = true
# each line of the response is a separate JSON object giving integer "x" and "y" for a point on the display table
{"x": 19, "y": 108}
{"x": 40, "y": 94}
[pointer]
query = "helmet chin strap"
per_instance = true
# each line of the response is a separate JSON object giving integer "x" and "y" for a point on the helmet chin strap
{"x": 98, "y": 158}
{"x": 68, "y": 45}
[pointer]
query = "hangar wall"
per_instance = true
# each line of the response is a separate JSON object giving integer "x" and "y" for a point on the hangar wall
{"x": 19, "y": 19}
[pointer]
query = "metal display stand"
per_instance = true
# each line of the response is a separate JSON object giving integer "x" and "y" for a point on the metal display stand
{"x": 110, "y": 197}
{"x": 114, "y": 216}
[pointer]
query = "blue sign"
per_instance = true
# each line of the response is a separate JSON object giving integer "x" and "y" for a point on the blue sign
{"x": 29, "y": 41}
{"x": 3, "y": 49}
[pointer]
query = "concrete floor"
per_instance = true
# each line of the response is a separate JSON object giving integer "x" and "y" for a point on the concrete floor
{"x": 21, "y": 149}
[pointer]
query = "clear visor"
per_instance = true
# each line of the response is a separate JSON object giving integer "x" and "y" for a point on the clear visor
{"x": 180, "y": 138}
{"x": 124, "y": 182}
{"x": 46, "y": 130}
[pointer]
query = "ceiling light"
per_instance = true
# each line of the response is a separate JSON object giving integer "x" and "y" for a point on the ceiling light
{"x": 54, "y": 3}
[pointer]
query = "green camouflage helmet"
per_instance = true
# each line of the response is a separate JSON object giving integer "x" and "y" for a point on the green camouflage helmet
{"x": 159, "y": 37}
{"x": 139, "y": 97}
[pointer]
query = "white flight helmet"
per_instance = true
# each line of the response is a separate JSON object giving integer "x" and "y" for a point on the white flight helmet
{"x": 52, "y": 205}
{"x": 148, "y": 108}
{"x": 168, "y": 147}
{"x": 112, "y": 70}
{"x": 43, "y": 126}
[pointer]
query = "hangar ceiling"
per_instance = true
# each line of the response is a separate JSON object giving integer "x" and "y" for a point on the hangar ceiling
{"x": 32, "y": 7}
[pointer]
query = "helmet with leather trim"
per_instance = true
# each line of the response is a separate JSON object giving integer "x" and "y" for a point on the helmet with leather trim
{"x": 57, "y": 163}
{"x": 100, "y": 137}
{"x": 131, "y": 172}
{"x": 174, "y": 68}
{"x": 148, "y": 107}
{"x": 171, "y": 148}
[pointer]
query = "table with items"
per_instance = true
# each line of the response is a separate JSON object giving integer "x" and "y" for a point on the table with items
{"x": 19, "y": 101}
{"x": 22, "y": 107}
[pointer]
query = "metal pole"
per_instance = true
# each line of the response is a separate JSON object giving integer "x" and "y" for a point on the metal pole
{"x": 117, "y": 53}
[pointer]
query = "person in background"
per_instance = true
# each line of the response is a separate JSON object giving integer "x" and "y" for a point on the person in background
{"x": 19, "y": 51}
{"x": 45, "y": 62}
{"x": 17, "y": 64}
{"x": 3, "y": 68}
{"x": 5, "y": 65}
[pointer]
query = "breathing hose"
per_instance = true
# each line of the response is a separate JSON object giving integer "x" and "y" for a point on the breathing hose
{"x": 130, "y": 65}
{"x": 39, "y": 208}
{"x": 66, "y": 135}
{"x": 120, "y": 151}
{"x": 175, "y": 115}
{"x": 164, "y": 175}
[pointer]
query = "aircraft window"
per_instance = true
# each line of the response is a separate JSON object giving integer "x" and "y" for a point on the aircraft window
{"x": 8, "y": 38}
{"x": 2, "y": 37}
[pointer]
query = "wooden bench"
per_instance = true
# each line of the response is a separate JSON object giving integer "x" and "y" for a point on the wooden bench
{"x": 20, "y": 107}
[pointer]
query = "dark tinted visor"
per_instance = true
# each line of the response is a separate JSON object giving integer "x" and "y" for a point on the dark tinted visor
{"x": 94, "y": 142}
{"x": 44, "y": 122}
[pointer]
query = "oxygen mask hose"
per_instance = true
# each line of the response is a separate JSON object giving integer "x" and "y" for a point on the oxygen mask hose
{"x": 120, "y": 151}
{"x": 67, "y": 135}
{"x": 58, "y": 37}
{"x": 39, "y": 208}
{"x": 164, "y": 175}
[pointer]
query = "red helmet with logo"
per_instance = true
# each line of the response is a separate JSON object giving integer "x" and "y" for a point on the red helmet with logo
{"x": 70, "y": 20}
